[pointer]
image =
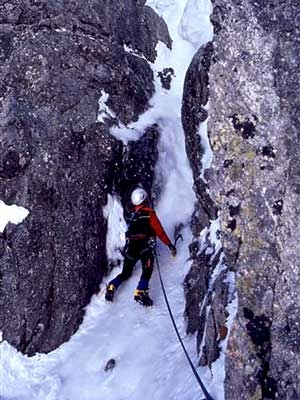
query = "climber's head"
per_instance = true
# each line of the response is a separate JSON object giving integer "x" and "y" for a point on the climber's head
{"x": 138, "y": 196}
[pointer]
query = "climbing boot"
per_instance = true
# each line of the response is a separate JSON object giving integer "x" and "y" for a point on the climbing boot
{"x": 110, "y": 292}
{"x": 143, "y": 297}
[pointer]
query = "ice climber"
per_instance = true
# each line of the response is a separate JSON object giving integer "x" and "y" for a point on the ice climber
{"x": 142, "y": 230}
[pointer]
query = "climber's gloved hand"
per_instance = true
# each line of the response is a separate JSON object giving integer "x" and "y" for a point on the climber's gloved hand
{"x": 173, "y": 250}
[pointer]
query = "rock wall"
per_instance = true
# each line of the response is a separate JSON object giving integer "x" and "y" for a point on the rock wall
{"x": 206, "y": 297}
{"x": 251, "y": 77}
{"x": 56, "y": 58}
{"x": 254, "y": 131}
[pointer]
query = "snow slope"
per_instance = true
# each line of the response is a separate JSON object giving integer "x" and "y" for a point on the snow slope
{"x": 13, "y": 214}
{"x": 150, "y": 363}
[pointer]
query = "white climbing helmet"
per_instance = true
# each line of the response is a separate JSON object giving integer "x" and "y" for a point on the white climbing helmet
{"x": 138, "y": 196}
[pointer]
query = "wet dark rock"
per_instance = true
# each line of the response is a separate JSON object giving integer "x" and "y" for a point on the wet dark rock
{"x": 234, "y": 210}
{"x": 231, "y": 224}
{"x": 138, "y": 163}
{"x": 268, "y": 151}
{"x": 195, "y": 286}
{"x": 166, "y": 77}
{"x": 199, "y": 297}
{"x": 227, "y": 163}
{"x": 195, "y": 97}
{"x": 277, "y": 207}
{"x": 243, "y": 125}
{"x": 258, "y": 328}
{"x": 153, "y": 29}
{"x": 110, "y": 365}
{"x": 203, "y": 253}
{"x": 56, "y": 59}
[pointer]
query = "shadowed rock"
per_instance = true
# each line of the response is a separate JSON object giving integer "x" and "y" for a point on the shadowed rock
{"x": 56, "y": 60}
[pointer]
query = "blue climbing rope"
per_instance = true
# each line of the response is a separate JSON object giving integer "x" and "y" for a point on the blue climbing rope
{"x": 203, "y": 388}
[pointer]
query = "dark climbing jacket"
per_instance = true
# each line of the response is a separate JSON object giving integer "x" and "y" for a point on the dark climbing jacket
{"x": 144, "y": 223}
{"x": 143, "y": 227}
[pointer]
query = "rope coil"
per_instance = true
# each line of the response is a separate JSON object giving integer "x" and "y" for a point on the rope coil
{"x": 201, "y": 384}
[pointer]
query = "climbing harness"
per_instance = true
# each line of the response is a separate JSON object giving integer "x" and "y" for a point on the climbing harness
{"x": 204, "y": 390}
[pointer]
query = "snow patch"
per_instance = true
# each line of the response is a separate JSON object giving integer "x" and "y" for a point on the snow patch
{"x": 195, "y": 25}
{"x": 13, "y": 214}
{"x": 116, "y": 228}
{"x": 134, "y": 52}
{"x": 214, "y": 236}
{"x": 16, "y": 368}
{"x": 207, "y": 157}
{"x": 126, "y": 133}
{"x": 104, "y": 111}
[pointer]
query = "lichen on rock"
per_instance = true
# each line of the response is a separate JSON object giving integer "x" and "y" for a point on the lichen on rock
{"x": 253, "y": 129}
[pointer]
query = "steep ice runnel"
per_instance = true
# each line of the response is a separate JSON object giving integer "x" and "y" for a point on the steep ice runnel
{"x": 150, "y": 364}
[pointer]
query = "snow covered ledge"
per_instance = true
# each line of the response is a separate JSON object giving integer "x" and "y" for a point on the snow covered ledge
{"x": 14, "y": 214}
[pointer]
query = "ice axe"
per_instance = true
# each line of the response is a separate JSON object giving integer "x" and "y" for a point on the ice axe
{"x": 174, "y": 245}
{"x": 179, "y": 236}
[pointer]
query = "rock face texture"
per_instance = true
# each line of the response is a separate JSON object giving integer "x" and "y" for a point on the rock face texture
{"x": 206, "y": 296}
{"x": 56, "y": 59}
{"x": 137, "y": 167}
{"x": 254, "y": 181}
